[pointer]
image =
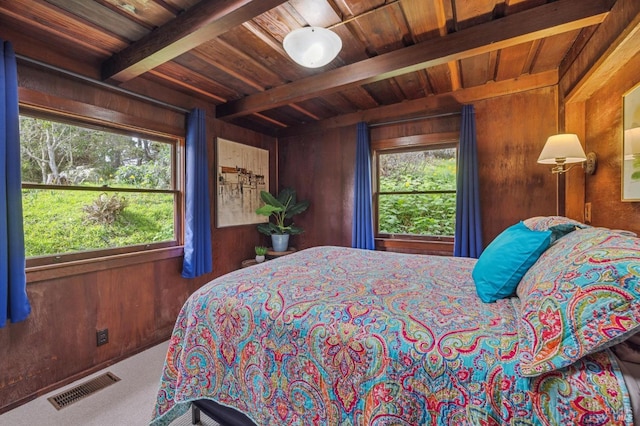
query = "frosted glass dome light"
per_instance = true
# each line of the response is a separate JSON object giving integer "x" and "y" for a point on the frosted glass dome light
{"x": 312, "y": 47}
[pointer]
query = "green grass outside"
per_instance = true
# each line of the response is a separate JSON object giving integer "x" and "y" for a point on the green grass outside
{"x": 55, "y": 223}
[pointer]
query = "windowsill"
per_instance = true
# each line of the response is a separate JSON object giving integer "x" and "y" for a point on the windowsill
{"x": 418, "y": 246}
{"x": 77, "y": 267}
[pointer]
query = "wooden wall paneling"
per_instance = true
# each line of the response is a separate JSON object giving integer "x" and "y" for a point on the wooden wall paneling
{"x": 321, "y": 169}
{"x": 428, "y": 126}
{"x": 436, "y": 248}
{"x": 55, "y": 342}
{"x": 137, "y": 303}
{"x": 130, "y": 320}
{"x": 168, "y": 299}
{"x": 511, "y": 132}
{"x": 39, "y": 87}
{"x": 417, "y": 140}
{"x": 574, "y": 120}
{"x": 232, "y": 245}
{"x": 31, "y": 99}
{"x": 604, "y": 130}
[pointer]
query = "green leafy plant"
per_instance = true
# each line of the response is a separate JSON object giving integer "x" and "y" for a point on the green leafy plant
{"x": 281, "y": 208}
{"x": 261, "y": 250}
{"x": 635, "y": 175}
{"x": 410, "y": 212}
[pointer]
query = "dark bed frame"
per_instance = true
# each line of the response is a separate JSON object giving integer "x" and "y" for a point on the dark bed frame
{"x": 225, "y": 416}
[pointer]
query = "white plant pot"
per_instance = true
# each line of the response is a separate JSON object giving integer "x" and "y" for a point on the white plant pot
{"x": 259, "y": 258}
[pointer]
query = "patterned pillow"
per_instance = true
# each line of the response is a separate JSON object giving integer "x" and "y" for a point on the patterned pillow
{"x": 544, "y": 223}
{"x": 582, "y": 295}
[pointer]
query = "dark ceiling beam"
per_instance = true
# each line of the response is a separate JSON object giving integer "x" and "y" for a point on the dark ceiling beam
{"x": 199, "y": 24}
{"x": 166, "y": 6}
{"x": 435, "y": 104}
{"x": 529, "y": 25}
{"x": 612, "y": 44}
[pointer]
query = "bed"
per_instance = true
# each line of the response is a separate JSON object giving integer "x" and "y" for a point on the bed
{"x": 341, "y": 336}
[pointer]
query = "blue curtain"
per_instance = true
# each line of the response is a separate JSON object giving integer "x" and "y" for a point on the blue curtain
{"x": 468, "y": 234}
{"x": 197, "y": 239}
{"x": 14, "y": 305}
{"x": 362, "y": 231}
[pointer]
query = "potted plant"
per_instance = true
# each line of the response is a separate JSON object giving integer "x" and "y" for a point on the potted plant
{"x": 281, "y": 208}
{"x": 260, "y": 252}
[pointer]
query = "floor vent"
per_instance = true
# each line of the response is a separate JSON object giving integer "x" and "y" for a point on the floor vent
{"x": 83, "y": 390}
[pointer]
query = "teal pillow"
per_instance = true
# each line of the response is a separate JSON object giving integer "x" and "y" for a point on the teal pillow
{"x": 504, "y": 262}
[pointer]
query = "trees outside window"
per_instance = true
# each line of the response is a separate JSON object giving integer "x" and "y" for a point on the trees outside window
{"x": 95, "y": 189}
{"x": 417, "y": 191}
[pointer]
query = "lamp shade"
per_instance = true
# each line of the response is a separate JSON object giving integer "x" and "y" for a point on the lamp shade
{"x": 312, "y": 47}
{"x": 562, "y": 146}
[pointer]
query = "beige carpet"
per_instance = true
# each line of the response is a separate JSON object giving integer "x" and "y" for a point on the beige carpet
{"x": 128, "y": 402}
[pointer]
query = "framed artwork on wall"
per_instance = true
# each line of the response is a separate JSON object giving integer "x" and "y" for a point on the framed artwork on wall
{"x": 631, "y": 146}
{"x": 242, "y": 171}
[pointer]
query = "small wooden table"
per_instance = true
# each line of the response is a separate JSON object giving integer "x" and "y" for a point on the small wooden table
{"x": 248, "y": 262}
{"x": 275, "y": 254}
{"x": 270, "y": 255}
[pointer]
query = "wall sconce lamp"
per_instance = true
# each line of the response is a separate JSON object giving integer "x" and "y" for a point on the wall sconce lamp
{"x": 312, "y": 47}
{"x": 564, "y": 149}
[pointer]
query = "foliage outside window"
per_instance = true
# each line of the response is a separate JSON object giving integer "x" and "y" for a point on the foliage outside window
{"x": 88, "y": 189}
{"x": 417, "y": 191}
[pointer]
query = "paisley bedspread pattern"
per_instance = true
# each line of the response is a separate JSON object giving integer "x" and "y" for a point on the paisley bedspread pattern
{"x": 337, "y": 336}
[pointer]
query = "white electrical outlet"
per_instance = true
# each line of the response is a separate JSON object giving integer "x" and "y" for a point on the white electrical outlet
{"x": 587, "y": 212}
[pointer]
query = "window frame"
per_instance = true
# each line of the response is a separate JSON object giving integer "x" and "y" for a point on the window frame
{"x": 58, "y": 265}
{"x": 409, "y": 144}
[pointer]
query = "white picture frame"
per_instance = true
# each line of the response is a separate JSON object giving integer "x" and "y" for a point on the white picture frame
{"x": 631, "y": 145}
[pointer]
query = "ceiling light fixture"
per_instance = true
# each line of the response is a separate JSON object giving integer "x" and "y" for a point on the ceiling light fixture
{"x": 312, "y": 47}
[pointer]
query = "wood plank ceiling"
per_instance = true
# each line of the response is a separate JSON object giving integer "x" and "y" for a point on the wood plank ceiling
{"x": 229, "y": 52}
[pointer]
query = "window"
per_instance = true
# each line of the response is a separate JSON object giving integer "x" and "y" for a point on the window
{"x": 416, "y": 191}
{"x": 89, "y": 191}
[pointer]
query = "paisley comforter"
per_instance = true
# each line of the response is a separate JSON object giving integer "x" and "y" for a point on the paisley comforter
{"x": 339, "y": 336}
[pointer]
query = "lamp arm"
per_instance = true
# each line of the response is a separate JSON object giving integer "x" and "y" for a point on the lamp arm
{"x": 589, "y": 165}
{"x": 561, "y": 168}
